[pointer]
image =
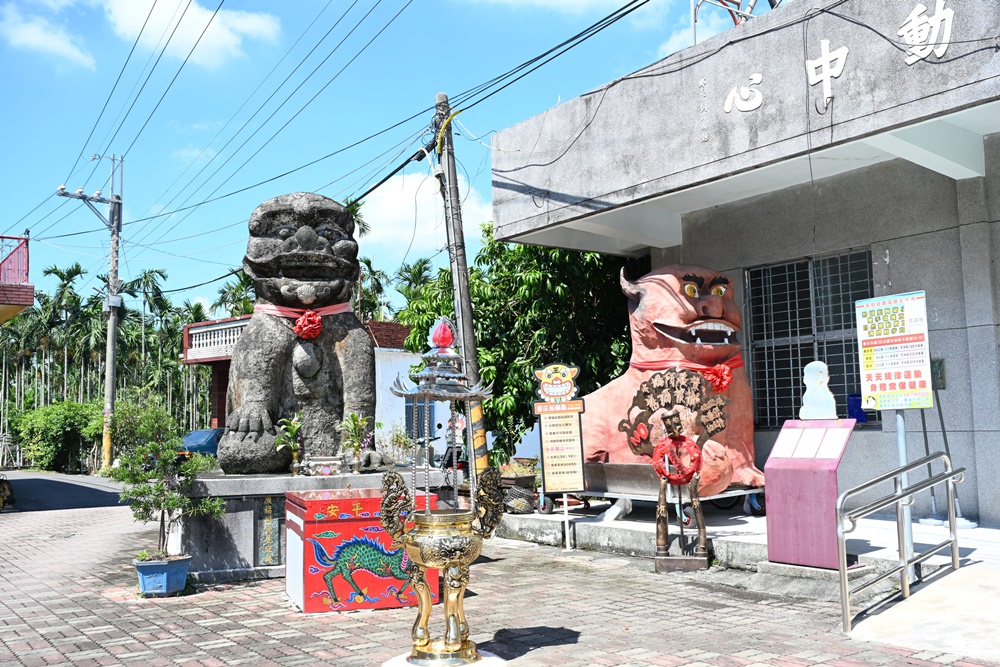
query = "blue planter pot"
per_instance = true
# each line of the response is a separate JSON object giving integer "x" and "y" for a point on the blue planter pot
{"x": 162, "y": 577}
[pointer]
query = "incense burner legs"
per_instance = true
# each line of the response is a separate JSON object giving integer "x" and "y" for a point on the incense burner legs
{"x": 445, "y": 540}
{"x": 448, "y": 540}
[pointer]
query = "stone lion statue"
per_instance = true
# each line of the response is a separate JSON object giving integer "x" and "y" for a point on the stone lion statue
{"x": 303, "y": 349}
{"x": 680, "y": 317}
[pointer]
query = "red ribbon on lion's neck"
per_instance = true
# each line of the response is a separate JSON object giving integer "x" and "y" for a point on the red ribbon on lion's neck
{"x": 719, "y": 376}
{"x": 308, "y": 322}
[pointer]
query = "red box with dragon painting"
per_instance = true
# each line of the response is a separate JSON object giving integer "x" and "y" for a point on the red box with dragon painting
{"x": 339, "y": 558}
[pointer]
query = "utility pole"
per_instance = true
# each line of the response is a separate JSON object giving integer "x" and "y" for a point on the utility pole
{"x": 460, "y": 276}
{"x": 113, "y": 221}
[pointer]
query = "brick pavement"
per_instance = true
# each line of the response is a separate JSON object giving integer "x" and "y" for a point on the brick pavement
{"x": 68, "y": 596}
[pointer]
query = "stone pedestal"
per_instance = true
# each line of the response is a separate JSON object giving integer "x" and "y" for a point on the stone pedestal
{"x": 248, "y": 542}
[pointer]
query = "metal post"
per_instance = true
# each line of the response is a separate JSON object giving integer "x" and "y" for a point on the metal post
{"x": 905, "y": 518}
{"x": 566, "y": 521}
{"x": 953, "y": 522}
{"x": 460, "y": 281}
{"x": 905, "y": 545}
{"x": 694, "y": 22}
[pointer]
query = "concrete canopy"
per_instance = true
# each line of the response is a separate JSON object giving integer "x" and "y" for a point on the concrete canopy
{"x": 616, "y": 170}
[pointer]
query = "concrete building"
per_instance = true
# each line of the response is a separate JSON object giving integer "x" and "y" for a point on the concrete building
{"x": 822, "y": 153}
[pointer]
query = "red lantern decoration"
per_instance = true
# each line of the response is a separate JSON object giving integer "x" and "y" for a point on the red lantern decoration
{"x": 442, "y": 335}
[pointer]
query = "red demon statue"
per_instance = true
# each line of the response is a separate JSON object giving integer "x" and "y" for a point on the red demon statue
{"x": 681, "y": 317}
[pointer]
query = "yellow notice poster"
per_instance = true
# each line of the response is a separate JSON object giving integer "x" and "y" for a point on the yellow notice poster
{"x": 894, "y": 352}
{"x": 561, "y": 439}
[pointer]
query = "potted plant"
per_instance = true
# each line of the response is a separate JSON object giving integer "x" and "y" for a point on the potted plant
{"x": 155, "y": 478}
{"x": 516, "y": 473}
{"x": 288, "y": 436}
{"x": 354, "y": 435}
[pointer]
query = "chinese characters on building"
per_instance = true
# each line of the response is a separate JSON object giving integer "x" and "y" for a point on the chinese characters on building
{"x": 745, "y": 98}
{"x": 923, "y": 32}
{"x": 926, "y": 34}
{"x": 829, "y": 66}
{"x": 894, "y": 356}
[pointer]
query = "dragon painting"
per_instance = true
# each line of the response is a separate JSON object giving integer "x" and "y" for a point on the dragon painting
{"x": 363, "y": 554}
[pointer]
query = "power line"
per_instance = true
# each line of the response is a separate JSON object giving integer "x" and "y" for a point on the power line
{"x": 276, "y": 110}
{"x": 173, "y": 80}
{"x": 143, "y": 87}
{"x": 313, "y": 98}
{"x": 113, "y": 88}
{"x": 246, "y": 101}
{"x": 207, "y": 282}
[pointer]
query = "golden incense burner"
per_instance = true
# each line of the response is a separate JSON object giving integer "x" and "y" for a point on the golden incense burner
{"x": 448, "y": 540}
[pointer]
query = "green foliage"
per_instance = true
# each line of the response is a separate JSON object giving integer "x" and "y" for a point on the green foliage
{"x": 533, "y": 306}
{"x": 139, "y": 417}
{"x": 288, "y": 433}
{"x": 155, "y": 479}
{"x": 354, "y": 431}
{"x": 396, "y": 444}
{"x": 53, "y": 435}
{"x": 145, "y": 556}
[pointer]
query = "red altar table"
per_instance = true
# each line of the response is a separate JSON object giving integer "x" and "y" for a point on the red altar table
{"x": 339, "y": 558}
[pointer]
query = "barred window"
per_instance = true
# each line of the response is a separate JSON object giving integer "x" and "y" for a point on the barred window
{"x": 799, "y": 312}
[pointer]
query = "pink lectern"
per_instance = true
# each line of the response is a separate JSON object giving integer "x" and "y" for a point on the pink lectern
{"x": 801, "y": 492}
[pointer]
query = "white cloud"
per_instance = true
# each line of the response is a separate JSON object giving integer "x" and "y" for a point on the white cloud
{"x": 222, "y": 41}
{"x": 414, "y": 197}
{"x": 709, "y": 25}
{"x": 192, "y": 153}
{"x": 36, "y": 33}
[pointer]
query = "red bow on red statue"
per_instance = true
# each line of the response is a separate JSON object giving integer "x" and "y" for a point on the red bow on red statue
{"x": 719, "y": 376}
{"x": 309, "y": 325}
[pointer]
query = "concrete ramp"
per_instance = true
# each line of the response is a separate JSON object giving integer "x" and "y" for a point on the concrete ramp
{"x": 954, "y": 613}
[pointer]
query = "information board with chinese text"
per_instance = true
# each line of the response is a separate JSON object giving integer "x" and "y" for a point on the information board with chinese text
{"x": 561, "y": 440}
{"x": 894, "y": 352}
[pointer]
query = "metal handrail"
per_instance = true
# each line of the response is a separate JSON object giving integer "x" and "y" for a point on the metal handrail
{"x": 900, "y": 497}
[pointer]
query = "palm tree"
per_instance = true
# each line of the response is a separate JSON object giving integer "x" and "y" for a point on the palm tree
{"x": 148, "y": 283}
{"x": 237, "y": 296}
{"x": 353, "y": 207}
{"x": 193, "y": 312}
{"x": 66, "y": 300}
{"x": 370, "y": 302}
{"x": 410, "y": 278}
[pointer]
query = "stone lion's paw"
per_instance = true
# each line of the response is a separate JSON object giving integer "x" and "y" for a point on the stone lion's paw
{"x": 250, "y": 418}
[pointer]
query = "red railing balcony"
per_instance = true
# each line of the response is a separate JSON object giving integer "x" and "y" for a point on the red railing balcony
{"x": 16, "y": 292}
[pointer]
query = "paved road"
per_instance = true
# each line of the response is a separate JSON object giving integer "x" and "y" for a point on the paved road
{"x": 36, "y": 491}
{"x": 67, "y": 596}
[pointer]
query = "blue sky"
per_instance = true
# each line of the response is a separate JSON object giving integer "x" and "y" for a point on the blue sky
{"x": 201, "y": 139}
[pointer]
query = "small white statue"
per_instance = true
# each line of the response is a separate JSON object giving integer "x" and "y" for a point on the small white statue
{"x": 818, "y": 401}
